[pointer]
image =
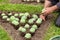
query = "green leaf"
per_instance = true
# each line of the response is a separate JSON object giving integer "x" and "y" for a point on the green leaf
{"x": 28, "y": 36}
{"x": 15, "y": 23}
{"x": 39, "y": 21}
{"x": 27, "y": 26}
{"x": 34, "y": 26}
{"x": 4, "y": 17}
{"x": 32, "y": 30}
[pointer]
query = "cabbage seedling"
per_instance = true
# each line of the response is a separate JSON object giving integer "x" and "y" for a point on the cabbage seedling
{"x": 15, "y": 23}
{"x": 3, "y": 14}
{"x": 34, "y": 26}
{"x": 27, "y": 26}
{"x": 26, "y": 14}
{"x": 30, "y": 21}
{"x": 16, "y": 14}
{"x": 33, "y": 19}
{"x": 4, "y": 17}
{"x": 22, "y": 29}
{"x": 32, "y": 30}
{"x": 9, "y": 14}
{"x": 22, "y": 21}
{"x": 12, "y": 18}
{"x": 21, "y": 14}
{"x": 23, "y": 17}
{"x": 39, "y": 21}
{"x": 17, "y": 19}
{"x": 8, "y": 19}
{"x": 28, "y": 36}
{"x": 35, "y": 16}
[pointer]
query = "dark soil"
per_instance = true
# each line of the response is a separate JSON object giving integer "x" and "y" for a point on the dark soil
{"x": 39, "y": 34}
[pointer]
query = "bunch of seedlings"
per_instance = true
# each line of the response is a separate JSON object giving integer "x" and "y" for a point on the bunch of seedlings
{"x": 25, "y": 23}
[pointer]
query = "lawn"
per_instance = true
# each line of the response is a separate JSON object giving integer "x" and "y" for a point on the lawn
{"x": 52, "y": 30}
{"x": 21, "y": 8}
{"x": 3, "y": 34}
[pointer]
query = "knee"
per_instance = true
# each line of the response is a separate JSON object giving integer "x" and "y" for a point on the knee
{"x": 57, "y": 23}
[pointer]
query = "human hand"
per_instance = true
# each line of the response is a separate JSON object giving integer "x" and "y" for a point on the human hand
{"x": 47, "y": 11}
{"x": 42, "y": 17}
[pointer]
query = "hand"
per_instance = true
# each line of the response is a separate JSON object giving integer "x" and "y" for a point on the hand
{"x": 42, "y": 17}
{"x": 47, "y": 10}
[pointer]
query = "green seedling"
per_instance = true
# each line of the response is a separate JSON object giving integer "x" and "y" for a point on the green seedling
{"x": 15, "y": 23}
{"x": 32, "y": 30}
{"x": 17, "y": 19}
{"x": 22, "y": 29}
{"x": 9, "y": 14}
{"x": 33, "y": 19}
{"x": 35, "y": 16}
{"x": 23, "y": 17}
{"x": 3, "y": 14}
{"x": 12, "y": 18}
{"x": 22, "y": 21}
{"x": 39, "y": 21}
{"x": 4, "y": 17}
{"x": 30, "y": 21}
{"x": 28, "y": 36}
{"x": 8, "y": 19}
{"x": 34, "y": 26}
{"x": 16, "y": 14}
{"x": 26, "y": 14}
{"x": 21, "y": 14}
{"x": 27, "y": 26}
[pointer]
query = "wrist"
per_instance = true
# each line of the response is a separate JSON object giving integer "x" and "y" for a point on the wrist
{"x": 54, "y": 7}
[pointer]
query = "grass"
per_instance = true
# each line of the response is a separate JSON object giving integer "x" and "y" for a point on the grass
{"x": 4, "y": 1}
{"x": 21, "y": 8}
{"x": 53, "y": 30}
{"x": 3, "y": 34}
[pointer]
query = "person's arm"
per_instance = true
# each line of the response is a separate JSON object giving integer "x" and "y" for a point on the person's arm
{"x": 47, "y": 4}
{"x": 49, "y": 10}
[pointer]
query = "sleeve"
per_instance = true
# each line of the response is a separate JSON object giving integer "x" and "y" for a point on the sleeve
{"x": 58, "y": 5}
{"x": 54, "y": 2}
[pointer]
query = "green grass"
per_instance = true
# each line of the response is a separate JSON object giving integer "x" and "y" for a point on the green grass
{"x": 3, "y": 34}
{"x": 53, "y": 30}
{"x": 3, "y": 1}
{"x": 21, "y": 8}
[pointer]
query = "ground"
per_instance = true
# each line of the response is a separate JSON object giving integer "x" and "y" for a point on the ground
{"x": 45, "y": 32}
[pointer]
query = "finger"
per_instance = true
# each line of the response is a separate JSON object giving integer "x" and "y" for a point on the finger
{"x": 43, "y": 19}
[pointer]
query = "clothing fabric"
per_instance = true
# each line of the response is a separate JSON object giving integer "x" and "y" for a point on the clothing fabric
{"x": 55, "y": 2}
{"x": 58, "y": 21}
